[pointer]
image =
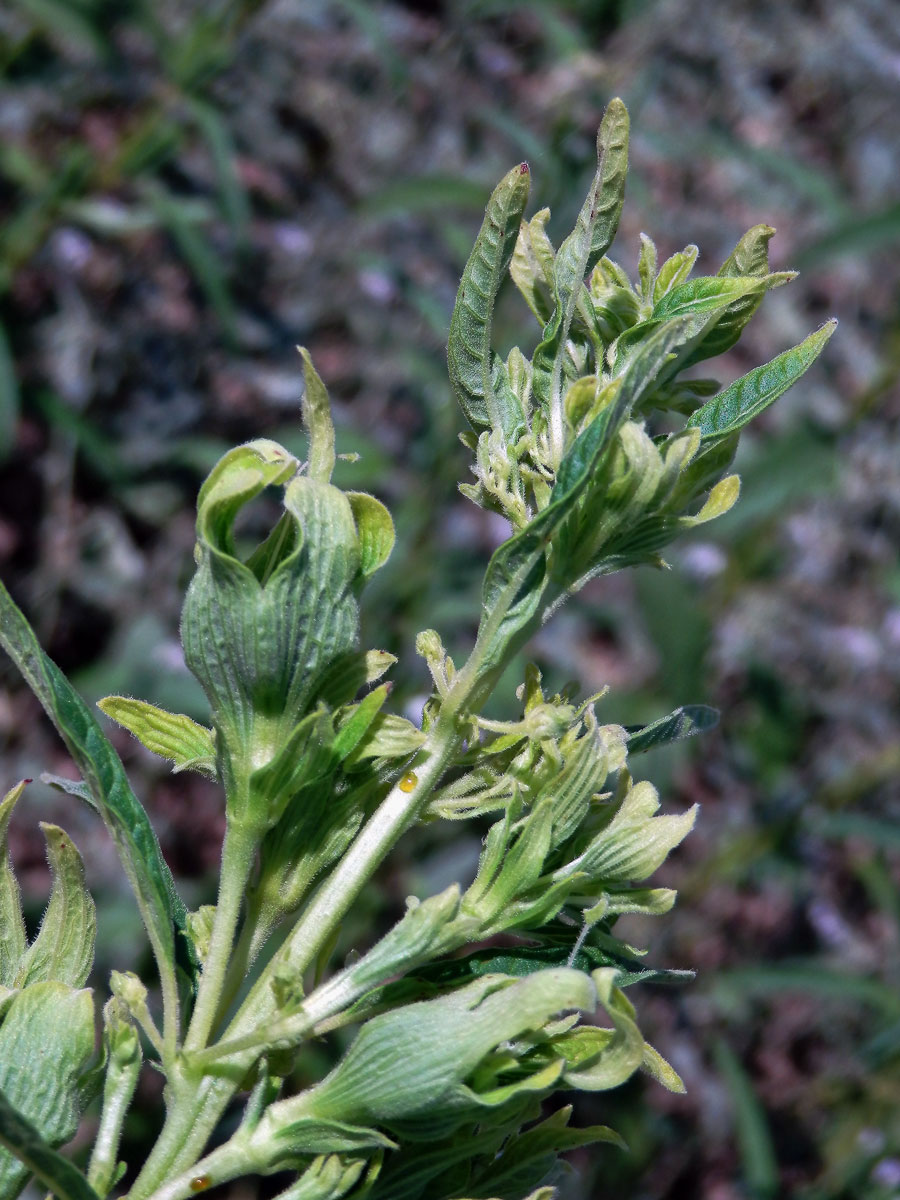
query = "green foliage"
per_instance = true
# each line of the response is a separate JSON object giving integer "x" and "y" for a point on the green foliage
{"x": 460, "y": 1038}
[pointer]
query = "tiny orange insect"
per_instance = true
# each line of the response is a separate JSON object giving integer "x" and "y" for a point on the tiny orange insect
{"x": 200, "y": 1184}
{"x": 409, "y": 781}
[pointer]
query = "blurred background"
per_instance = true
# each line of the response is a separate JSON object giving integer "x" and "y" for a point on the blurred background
{"x": 188, "y": 189}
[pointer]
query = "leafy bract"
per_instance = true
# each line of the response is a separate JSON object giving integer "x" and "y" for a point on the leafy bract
{"x": 170, "y": 735}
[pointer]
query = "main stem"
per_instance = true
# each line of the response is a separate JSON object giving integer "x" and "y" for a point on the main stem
{"x": 237, "y": 861}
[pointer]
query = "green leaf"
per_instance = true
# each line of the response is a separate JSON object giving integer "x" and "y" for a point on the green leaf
{"x": 376, "y": 531}
{"x": 469, "y": 356}
{"x": 122, "y": 813}
{"x": 170, "y": 735}
{"x": 532, "y": 267}
{"x": 594, "y": 230}
{"x": 684, "y": 722}
{"x": 674, "y": 271}
{"x": 317, "y": 417}
{"x": 388, "y": 736}
{"x": 46, "y": 1041}
{"x": 64, "y": 947}
{"x": 12, "y": 925}
{"x": 304, "y": 757}
{"x": 54, "y": 1172}
{"x": 748, "y": 396}
{"x": 351, "y": 671}
{"x": 326, "y": 1178}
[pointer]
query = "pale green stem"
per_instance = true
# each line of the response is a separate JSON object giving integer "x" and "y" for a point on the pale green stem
{"x": 237, "y": 862}
{"x": 121, "y": 1080}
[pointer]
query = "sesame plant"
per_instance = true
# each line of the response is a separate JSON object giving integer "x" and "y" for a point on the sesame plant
{"x": 599, "y": 451}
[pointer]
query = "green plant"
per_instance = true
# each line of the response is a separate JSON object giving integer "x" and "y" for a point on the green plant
{"x": 586, "y": 450}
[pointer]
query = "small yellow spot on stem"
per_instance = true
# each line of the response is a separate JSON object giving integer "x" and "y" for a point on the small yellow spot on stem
{"x": 200, "y": 1184}
{"x": 409, "y": 781}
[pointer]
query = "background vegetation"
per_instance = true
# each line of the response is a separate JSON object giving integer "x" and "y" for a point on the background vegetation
{"x": 189, "y": 189}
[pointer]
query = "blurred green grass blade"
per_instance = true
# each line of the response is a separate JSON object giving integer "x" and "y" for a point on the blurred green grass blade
{"x": 53, "y": 1171}
{"x": 840, "y": 825}
{"x": 753, "y": 1135}
{"x": 63, "y": 22}
{"x": 855, "y": 235}
{"x": 199, "y": 257}
{"x": 233, "y": 197}
{"x": 122, "y": 812}
{"x": 9, "y": 397}
{"x": 424, "y": 193}
{"x": 810, "y": 977}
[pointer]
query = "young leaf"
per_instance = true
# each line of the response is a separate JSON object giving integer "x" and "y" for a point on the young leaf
{"x": 748, "y": 396}
{"x": 376, "y": 531}
{"x": 170, "y": 735}
{"x": 317, "y": 418}
{"x": 12, "y": 925}
{"x": 586, "y": 244}
{"x": 122, "y": 813}
{"x": 684, "y": 722}
{"x": 469, "y": 354}
{"x": 64, "y": 947}
{"x": 46, "y": 1041}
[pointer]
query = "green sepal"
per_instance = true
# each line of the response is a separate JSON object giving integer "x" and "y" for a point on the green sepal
{"x": 64, "y": 947}
{"x": 376, "y": 531}
{"x": 470, "y": 358}
{"x": 635, "y": 842}
{"x": 170, "y": 735}
{"x": 328, "y": 1177}
{"x": 599, "y": 1059}
{"x": 46, "y": 1043}
{"x": 674, "y": 272}
{"x": 13, "y": 941}
{"x": 684, "y": 722}
{"x": 748, "y": 396}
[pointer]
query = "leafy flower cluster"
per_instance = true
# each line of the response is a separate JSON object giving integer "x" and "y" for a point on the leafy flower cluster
{"x": 485, "y": 999}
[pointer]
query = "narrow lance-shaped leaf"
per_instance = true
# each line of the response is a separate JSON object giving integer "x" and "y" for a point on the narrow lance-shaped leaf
{"x": 12, "y": 924}
{"x": 102, "y": 770}
{"x": 684, "y": 722}
{"x": 469, "y": 356}
{"x": 64, "y": 947}
{"x": 747, "y": 397}
{"x": 170, "y": 735}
